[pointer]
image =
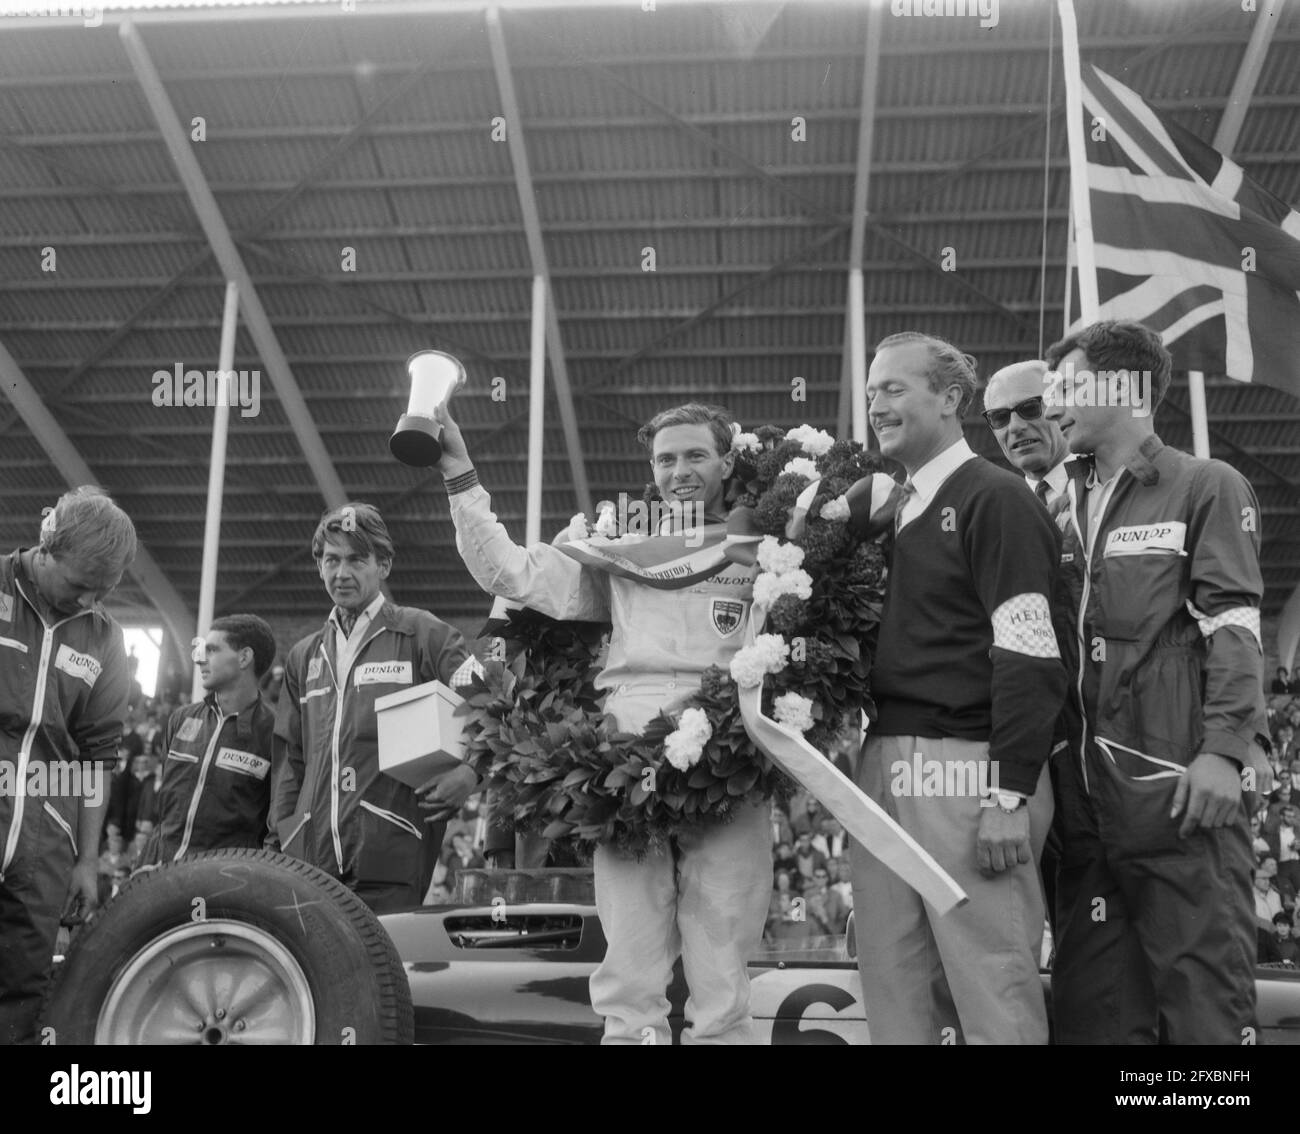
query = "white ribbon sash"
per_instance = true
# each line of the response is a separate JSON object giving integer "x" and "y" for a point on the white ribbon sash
{"x": 859, "y": 816}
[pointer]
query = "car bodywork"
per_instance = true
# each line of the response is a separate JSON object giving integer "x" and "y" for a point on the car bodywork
{"x": 517, "y": 973}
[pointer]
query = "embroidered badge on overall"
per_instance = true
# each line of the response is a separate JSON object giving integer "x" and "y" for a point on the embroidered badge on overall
{"x": 727, "y": 615}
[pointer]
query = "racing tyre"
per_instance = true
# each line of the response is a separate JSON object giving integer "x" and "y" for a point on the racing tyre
{"x": 232, "y": 946}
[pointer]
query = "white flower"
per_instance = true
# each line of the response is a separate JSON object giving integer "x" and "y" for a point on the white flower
{"x": 803, "y": 466}
{"x": 607, "y": 522}
{"x": 768, "y": 588}
{"x": 684, "y": 747}
{"x": 696, "y": 723}
{"x": 836, "y": 510}
{"x": 577, "y": 528}
{"x": 793, "y": 711}
{"x": 768, "y": 654}
{"x": 777, "y": 556}
{"x": 814, "y": 442}
{"x": 746, "y": 441}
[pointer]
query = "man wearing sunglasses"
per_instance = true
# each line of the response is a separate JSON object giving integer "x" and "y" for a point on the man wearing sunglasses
{"x": 1034, "y": 444}
{"x": 1036, "y": 447}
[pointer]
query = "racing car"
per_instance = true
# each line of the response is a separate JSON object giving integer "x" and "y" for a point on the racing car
{"x": 244, "y": 946}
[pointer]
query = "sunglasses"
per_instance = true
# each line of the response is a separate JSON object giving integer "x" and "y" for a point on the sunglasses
{"x": 1031, "y": 409}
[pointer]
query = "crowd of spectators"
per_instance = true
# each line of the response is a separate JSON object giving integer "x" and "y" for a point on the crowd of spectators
{"x": 1275, "y": 831}
{"x": 811, "y": 890}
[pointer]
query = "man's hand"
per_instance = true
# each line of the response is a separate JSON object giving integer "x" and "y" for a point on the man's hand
{"x": 455, "y": 456}
{"x": 83, "y": 892}
{"x": 1003, "y": 839}
{"x": 1210, "y": 792}
{"x": 443, "y": 795}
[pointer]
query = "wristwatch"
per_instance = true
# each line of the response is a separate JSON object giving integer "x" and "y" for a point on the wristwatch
{"x": 1008, "y": 801}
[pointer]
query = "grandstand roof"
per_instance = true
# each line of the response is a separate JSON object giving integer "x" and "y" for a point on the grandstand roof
{"x": 350, "y": 152}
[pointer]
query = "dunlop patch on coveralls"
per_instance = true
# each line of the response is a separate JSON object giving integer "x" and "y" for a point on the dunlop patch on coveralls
{"x": 78, "y": 665}
{"x": 383, "y": 672}
{"x": 1144, "y": 539}
{"x": 246, "y": 763}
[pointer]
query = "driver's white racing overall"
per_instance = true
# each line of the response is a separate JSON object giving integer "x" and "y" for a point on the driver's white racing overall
{"x": 707, "y": 900}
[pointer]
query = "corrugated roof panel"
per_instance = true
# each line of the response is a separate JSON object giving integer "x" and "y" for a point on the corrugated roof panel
{"x": 227, "y": 42}
{"x": 448, "y": 253}
{"x": 787, "y": 87}
{"x": 1270, "y": 129}
{"x": 23, "y": 166}
{"x": 53, "y": 109}
{"x": 119, "y": 261}
{"x": 444, "y": 154}
{"x": 42, "y": 220}
{"x": 597, "y": 201}
{"x": 237, "y": 160}
{"x": 72, "y": 49}
{"x": 464, "y": 96}
{"x": 443, "y": 300}
{"x": 444, "y": 206}
{"x": 781, "y": 139}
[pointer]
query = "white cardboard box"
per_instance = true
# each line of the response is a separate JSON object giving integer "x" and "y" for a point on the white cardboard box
{"x": 419, "y": 735}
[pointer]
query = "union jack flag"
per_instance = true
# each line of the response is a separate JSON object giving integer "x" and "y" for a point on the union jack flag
{"x": 1186, "y": 243}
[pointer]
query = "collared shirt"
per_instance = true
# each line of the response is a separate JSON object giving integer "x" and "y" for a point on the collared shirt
{"x": 1057, "y": 478}
{"x": 347, "y": 645}
{"x": 927, "y": 480}
{"x": 1098, "y": 497}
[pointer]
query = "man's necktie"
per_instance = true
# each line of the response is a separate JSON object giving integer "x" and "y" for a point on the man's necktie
{"x": 1040, "y": 490}
{"x": 909, "y": 490}
{"x": 347, "y": 620}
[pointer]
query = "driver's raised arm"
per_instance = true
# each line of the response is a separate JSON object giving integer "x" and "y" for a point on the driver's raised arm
{"x": 541, "y": 576}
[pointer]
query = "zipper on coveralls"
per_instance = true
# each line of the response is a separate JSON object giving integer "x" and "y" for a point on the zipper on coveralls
{"x": 334, "y": 759}
{"x": 198, "y": 788}
{"x": 339, "y": 690}
{"x": 1083, "y": 608}
{"x": 29, "y": 737}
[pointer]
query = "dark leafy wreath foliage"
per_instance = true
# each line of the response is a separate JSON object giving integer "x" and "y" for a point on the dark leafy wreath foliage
{"x": 559, "y": 767}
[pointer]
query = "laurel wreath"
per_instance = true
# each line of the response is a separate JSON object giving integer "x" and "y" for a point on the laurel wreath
{"x": 556, "y": 765}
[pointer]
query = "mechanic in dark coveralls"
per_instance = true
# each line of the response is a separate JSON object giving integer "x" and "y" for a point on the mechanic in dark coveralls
{"x": 63, "y": 698}
{"x": 216, "y": 783}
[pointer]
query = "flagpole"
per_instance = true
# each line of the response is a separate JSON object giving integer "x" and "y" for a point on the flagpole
{"x": 1200, "y": 416}
{"x": 1069, "y": 270}
{"x": 1080, "y": 205}
{"x": 228, "y": 392}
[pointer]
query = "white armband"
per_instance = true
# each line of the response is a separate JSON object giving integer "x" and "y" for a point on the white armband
{"x": 1023, "y": 624}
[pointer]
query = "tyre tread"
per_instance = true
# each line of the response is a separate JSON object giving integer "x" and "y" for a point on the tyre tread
{"x": 396, "y": 1015}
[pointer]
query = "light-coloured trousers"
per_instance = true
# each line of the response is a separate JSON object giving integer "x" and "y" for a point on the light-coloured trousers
{"x": 971, "y": 975}
{"x": 709, "y": 906}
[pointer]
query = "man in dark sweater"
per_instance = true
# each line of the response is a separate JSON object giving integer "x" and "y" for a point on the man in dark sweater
{"x": 968, "y": 681}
